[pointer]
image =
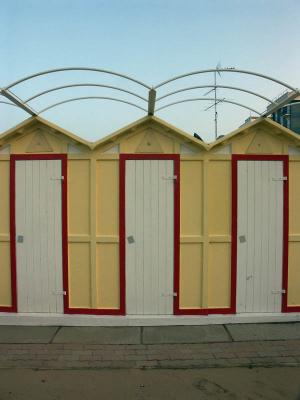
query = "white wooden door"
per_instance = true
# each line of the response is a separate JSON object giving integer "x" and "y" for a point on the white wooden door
{"x": 39, "y": 236}
{"x": 259, "y": 236}
{"x": 149, "y": 236}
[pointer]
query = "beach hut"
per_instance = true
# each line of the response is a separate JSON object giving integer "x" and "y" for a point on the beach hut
{"x": 149, "y": 223}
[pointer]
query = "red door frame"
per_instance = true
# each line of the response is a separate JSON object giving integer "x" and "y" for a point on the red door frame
{"x": 13, "y": 159}
{"x": 254, "y": 157}
{"x": 176, "y": 159}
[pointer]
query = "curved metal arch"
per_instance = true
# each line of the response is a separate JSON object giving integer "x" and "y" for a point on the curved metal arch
{"x": 83, "y": 84}
{"x": 51, "y": 71}
{"x": 216, "y": 86}
{"x": 240, "y": 71}
{"x": 9, "y": 104}
{"x": 88, "y": 98}
{"x": 207, "y": 99}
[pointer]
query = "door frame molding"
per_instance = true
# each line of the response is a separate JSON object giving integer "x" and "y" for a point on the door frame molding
{"x": 64, "y": 223}
{"x": 122, "y": 222}
{"x": 234, "y": 214}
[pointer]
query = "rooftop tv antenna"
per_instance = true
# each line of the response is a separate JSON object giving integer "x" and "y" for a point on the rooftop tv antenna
{"x": 216, "y": 101}
{"x": 218, "y": 66}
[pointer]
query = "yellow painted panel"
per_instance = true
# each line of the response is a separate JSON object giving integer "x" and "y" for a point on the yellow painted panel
{"x": 129, "y": 143}
{"x": 107, "y": 204}
{"x": 294, "y": 274}
{"x": 219, "y": 275}
{"x": 108, "y": 277}
{"x": 79, "y": 275}
{"x": 27, "y": 144}
{"x": 242, "y": 142}
{"x": 78, "y": 196}
{"x": 191, "y": 275}
{"x": 191, "y": 198}
{"x": 219, "y": 197}
{"x": 4, "y": 196}
{"x": 294, "y": 197}
{"x": 5, "y": 282}
{"x": 166, "y": 142}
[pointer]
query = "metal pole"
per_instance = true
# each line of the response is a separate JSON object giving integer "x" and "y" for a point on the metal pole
{"x": 216, "y": 113}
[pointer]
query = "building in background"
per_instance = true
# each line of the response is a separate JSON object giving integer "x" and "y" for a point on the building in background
{"x": 289, "y": 115}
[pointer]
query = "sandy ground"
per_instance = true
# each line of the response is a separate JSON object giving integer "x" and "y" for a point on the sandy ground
{"x": 229, "y": 383}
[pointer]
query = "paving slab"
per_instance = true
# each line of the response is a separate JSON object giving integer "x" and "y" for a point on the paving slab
{"x": 98, "y": 335}
{"x": 185, "y": 334}
{"x": 27, "y": 334}
{"x": 275, "y": 331}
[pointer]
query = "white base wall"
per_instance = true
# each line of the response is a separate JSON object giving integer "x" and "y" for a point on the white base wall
{"x": 161, "y": 320}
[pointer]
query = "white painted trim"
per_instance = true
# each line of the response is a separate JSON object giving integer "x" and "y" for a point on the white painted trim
{"x": 147, "y": 320}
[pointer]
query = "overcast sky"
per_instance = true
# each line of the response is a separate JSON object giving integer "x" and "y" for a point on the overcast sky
{"x": 151, "y": 40}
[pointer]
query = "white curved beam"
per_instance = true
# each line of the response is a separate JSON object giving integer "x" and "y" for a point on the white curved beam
{"x": 209, "y": 99}
{"x": 86, "y": 85}
{"x": 51, "y": 71}
{"x": 216, "y": 86}
{"x": 240, "y": 71}
{"x": 88, "y": 98}
{"x": 9, "y": 104}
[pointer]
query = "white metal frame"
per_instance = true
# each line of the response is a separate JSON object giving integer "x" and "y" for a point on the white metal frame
{"x": 23, "y": 104}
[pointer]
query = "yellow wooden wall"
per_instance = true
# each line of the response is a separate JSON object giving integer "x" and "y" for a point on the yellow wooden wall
{"x": 205, "y": 217}
{"x": 5, "y": 282}
{"x": 294, "y": 232}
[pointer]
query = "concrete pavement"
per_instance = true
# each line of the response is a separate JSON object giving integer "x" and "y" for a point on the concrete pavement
{"x": 274, "y": 344}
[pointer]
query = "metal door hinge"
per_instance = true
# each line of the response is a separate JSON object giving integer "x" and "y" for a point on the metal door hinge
{"x": 59, "y": 292}
{"x": 280, "y": 178}
{"x": 170, "y": 178}
{"x": 279, "y": 291}
{"x": 59, "y": 178}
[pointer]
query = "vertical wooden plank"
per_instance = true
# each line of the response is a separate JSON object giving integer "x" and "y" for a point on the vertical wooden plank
{"x": 93, "y": 232}
{"x": 272, "y": 233}
{"x": 278, "y": 237}
{"x": 250, "y": 237}
{"x": 169, "y": 211}
{"x": 242, "y": 244}
{"x": 265, "y": 192}
{"x": 20, "y": 230}
{"x": 205, "y": 246}
{"x": 29, "y": 282}
{"x": 139, "y": 240}
{"x": 57, "y": 264}
{"x": 42, "y": 217}
{"x": 259, "y": 221}
{"x": 147, "y": 238}
{"x": 155, "y": 238}
{"x": 130, "y": 202}
{"x": 51, "y": 212}
{"x": 161, "y": 235}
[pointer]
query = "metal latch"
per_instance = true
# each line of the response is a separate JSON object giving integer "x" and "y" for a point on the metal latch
{"x": 279, "y": 291}
{"x": 59, "y": 292}
{"x": 242, "y": 239}
{"x": 59, "y": 178}
{"x": 280, "y": 178}
{"x": 170, "y": 178}
{"x": 174, "y": 294}
{"x": 20, "y": 239}
{"x": 130, "y": 239}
